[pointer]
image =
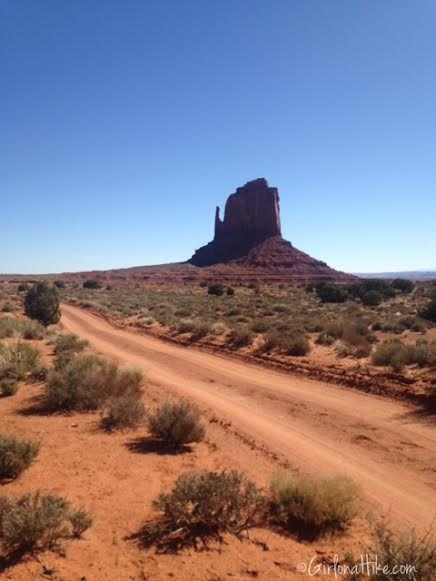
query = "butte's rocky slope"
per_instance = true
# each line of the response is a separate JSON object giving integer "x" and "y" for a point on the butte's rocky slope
{"x": 250, "y": 236}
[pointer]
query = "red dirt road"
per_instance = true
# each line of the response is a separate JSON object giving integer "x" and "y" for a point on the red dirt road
{"x": 315, "y": 427}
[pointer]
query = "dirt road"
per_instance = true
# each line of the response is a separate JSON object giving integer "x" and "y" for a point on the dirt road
{"x": 316, "y": 427}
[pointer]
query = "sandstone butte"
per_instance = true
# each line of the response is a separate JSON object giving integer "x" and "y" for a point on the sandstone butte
{"x": 250, "y": 236}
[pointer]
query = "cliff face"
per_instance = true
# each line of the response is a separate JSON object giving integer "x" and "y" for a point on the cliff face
{"x": 252, "y": 214}
{"x": 250, "y": 237}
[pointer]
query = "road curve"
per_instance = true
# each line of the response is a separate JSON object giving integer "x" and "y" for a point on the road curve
{"x": 317, "y": 427}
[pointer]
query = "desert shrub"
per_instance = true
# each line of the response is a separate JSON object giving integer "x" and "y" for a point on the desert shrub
{"x": 122, "y": 412}
{"x": 42, "y": 303}
{"x": 147, "y": 321}
{"x": 37, "y": 522}
{"x": 32, "y": 330}
{"x": 218, "y": 329}
{"x": 19, "y": 360}
{"x": 259, "y": 326}
{"x": 392, "y": 353}
{"x": 233, "y": 312}
{"x": 325, "y": 339}
{"x": 92, "y": 284}
{"x": 429, "y": 312}
{"x": 403, "y": 285}
{"x": 69, "y": 344}
{"x": 392, "y": 325}
{"x": 12, "y": 327}
{"x": 201, "y": 329}
{"x": 86, "y": 382}
{"x": 357, "y": 339}
{"x": 371, "y": 298}
{"x": 407, "y": 322}
{"x": 295, "y": 344}
{"x": 320, "y": 505}
{"x": 241, "y": 337}
{"x": 15, "y": 456}
{"x": 23, "y": 287}
{"x": 423, "y": 353}
{"x": 7, "y": 308}
{"x": 59, "y": 283}
{"x": 361, "y": 288}
{"x": 418, "y": 326}
{"x": 216, "y": 289}
{"x": 8, "y": 386}
{"x": 342, "y": 349}
{"x": 9, "y": 327}
{"x": 407, "y": 556}
{"x": 185, "y": 326}
{"x": 211, "y": 503}
{"x": 331, "y": 293}
{"x": 176, "y": 424}
{"x": 281, "y": 308}
{"x": 182, "y": 312}
{"x": 230, "y": 292}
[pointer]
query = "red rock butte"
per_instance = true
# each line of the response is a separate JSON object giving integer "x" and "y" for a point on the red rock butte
{"x": 250, "y": 236}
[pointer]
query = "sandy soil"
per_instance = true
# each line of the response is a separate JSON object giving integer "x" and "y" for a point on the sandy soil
{"x": 314, "y": 426}
{"x": 257, "y": 420}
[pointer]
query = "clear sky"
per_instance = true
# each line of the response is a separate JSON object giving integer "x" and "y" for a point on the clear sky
{"x": 124, "y": 123}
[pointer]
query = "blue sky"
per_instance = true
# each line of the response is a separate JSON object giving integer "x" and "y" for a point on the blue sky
{"x": 123, "y": 125}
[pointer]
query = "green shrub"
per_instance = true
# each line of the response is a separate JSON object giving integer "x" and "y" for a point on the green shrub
{"x": 331, "y": 293}
{"x": 429, "y": 312}
{"x": 86, "y": 382}
{"x": 177, "y": 424}
{"x": 92, "y": 284}
{"x": 122, "y": 412}
{"x": 241, "y": 337}
{"x": 216, "y": 289}
{"x": 211, "y": 503}
{"x": 372, "y": 298}
{"x": 15, "y": 456}
{"x": 37, "y": 522}
{"x": 320, "y": 505}
{"x": 18, "y": 360}
{"x": 361, "y": 288}
{"x": 403, "y": 285}
{"x": 42, "y": 303}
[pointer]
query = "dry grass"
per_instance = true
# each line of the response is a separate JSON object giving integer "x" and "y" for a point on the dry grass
{"x": 318, "y": 505}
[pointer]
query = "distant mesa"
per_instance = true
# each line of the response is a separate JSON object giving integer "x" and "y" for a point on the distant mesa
{"x": 250, "y": 236}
